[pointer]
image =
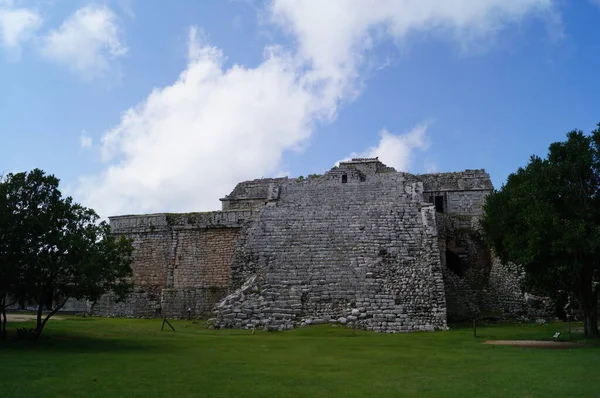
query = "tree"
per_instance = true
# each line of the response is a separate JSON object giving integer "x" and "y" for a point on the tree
{"x": 547, "y": 218}
{"x": 8, "y": 265}
{"x": 56, "y": 249}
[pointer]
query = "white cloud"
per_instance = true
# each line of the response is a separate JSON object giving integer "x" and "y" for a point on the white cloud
{"x": 17, "y": 25}
{"x": 334, "y": 35}
{"x": 86, "y": 42}
{"x": 397, "y": 150}
{"x": 85, "y": 141}
{"x": 187, "y": 144}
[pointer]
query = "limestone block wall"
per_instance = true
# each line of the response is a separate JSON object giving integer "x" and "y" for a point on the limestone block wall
{"x": 244, "y": 204}
{"x": 463, "y": 192}
{"x": 139, "y": 304}
{"x": 363, "y": 253}
{"x": 152, "y": 258}
{"x": 250, "y": 195}
{"x": 468, "y": 180}
{"x": 466, "y": 202}
{"x": 76, "y": 306}
{"x": 359, "y": 245}
{"x": 203, "y": 257}
{"x": 201, "y": 301}
{"x": 505, "y": 293}
{"x": 181, "y": 262}
{"x": 152, "y": 255}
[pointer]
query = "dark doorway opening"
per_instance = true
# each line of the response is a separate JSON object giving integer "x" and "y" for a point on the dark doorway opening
{"x": 344, "y": 178}
{"x": 439, "y": 204}
{"x": 453, "y": 262}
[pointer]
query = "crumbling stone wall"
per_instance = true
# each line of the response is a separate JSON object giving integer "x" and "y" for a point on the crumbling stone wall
{"x": 361, "y": 252}
{"x": 181, "y": 262}
{"x": 481, "y": 285}
{"x": 476, "y": 282}
{"x": 466, "y": 265}
{"x": 362, "y": 245}
{"x": 249, "y": 195}
{"x": 505, "y": 293}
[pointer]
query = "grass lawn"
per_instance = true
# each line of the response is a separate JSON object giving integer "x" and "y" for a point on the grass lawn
{"x": 98, "y": 357}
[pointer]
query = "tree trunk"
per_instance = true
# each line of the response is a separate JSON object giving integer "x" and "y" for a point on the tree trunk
{"x": 4, "y": 304}
{"x": 4, "y": 321}
{"x": 42, "y": 322}
{"x": 39, "y": 326}
{"x": 3, "y": 317}
{"x": 591, "y": 325}
{"x": 54, "y": 311}
{"x": 589, "y": 304}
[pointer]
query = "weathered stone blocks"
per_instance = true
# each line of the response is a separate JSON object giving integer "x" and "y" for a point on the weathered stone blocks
{"x": 361, "y": 245}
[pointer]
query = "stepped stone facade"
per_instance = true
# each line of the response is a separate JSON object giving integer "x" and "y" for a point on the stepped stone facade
{"x": 362, "y": 245}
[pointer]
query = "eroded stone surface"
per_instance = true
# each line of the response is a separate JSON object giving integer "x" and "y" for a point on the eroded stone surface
{"x": 330, "y": 249}
{"x": 361, "y": 245}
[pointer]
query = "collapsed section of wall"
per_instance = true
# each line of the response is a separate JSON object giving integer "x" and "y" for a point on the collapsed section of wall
{"x": 338, "y": 250}
{"x": 477, "y": 283}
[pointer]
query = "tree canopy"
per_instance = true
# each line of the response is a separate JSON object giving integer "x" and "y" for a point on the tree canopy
{"x": 52, "y": 247}
{"x": 547, "y": 218}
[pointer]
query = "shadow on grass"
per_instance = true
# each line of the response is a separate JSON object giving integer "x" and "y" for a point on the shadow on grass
{"x": 80, "y": 343}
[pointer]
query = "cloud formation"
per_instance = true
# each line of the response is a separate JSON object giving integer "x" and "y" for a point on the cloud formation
{"x": 334, "y": 36}
{"x": 187, "y": 144}
{"x": 397, "y": 150}
{"x": 85, "y": 141}
{"x": 17, "y": 25}
{"x": 86, "y": 42}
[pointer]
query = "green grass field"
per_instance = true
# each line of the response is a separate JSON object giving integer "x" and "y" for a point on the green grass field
{"x": 97, "y": 357}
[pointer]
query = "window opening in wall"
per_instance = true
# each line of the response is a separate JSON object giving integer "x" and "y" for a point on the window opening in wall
{"x": 439, "y": 204}
{"x": 453, "y": 262}
{"x": 344, "y": 178}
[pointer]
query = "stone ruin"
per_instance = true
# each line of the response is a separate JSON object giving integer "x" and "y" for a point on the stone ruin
{"x": 362, "y": 245}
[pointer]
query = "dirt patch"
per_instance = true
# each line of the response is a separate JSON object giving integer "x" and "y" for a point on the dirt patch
{"x": 27, "y": 317}
{"x": 534, "y": 343}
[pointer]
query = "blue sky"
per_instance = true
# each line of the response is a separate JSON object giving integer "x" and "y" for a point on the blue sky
{"x": 149, "y": 106}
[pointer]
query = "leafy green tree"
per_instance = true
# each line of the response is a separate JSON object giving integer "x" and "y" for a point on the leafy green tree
{"x": 547, "y": 218}
{"x": 9, "y": 270}
{"x": 57, "y": 249}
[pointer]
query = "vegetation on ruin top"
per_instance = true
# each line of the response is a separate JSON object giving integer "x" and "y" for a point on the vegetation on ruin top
{"x": 99, "y": 357}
